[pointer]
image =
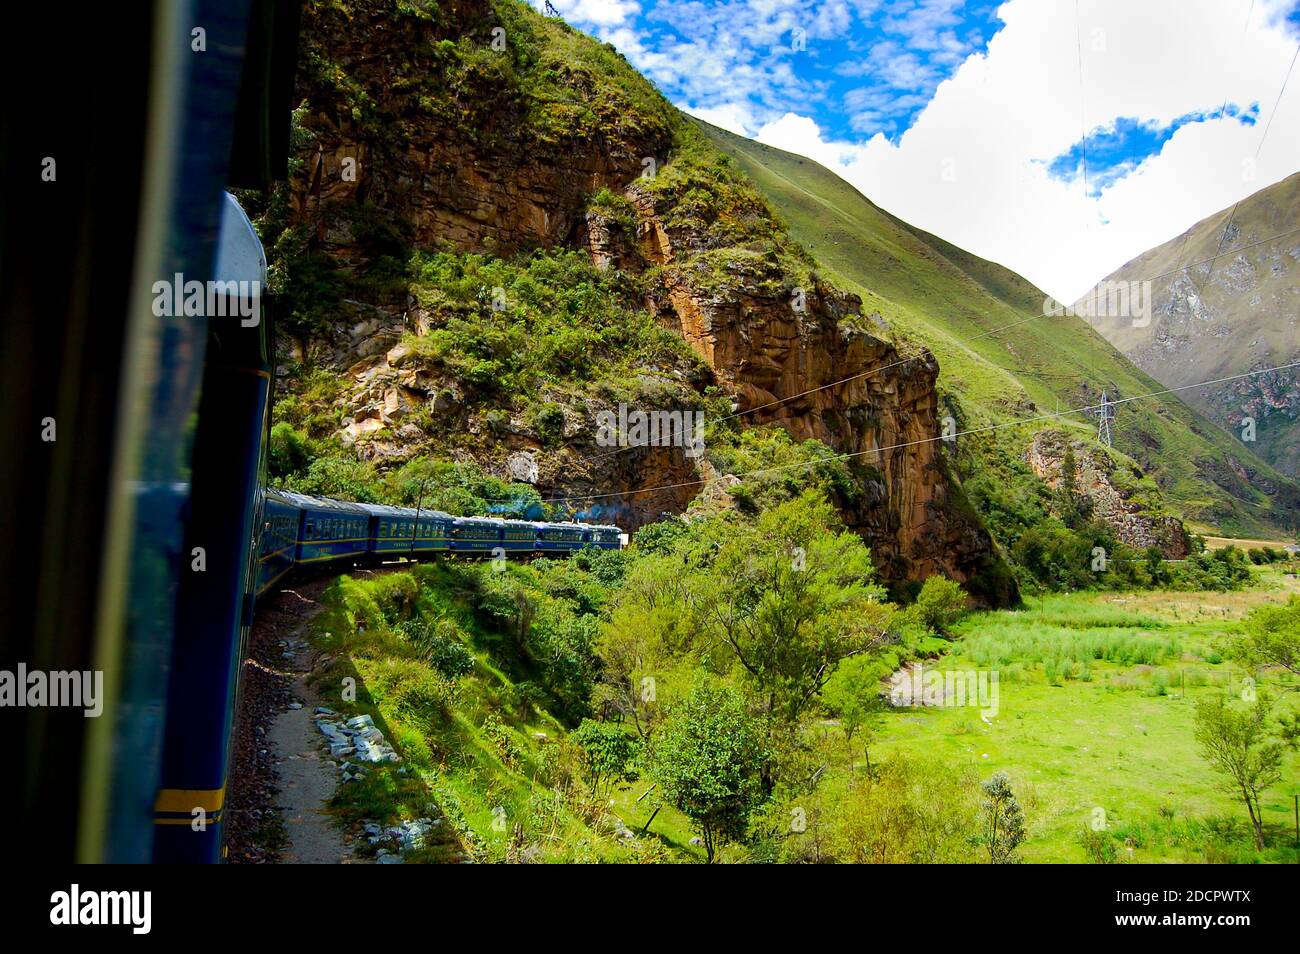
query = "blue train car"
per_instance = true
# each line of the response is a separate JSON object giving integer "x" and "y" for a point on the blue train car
{"x": 405, "y": 530}
{"x": 562, "y": 537}
{"x": 607, "y": 537}
{"x": 476, "y": 535}
{"x": 214, "y": 602}
{"x": 518, "y": 536}
{"x": 281, "y": 517}
{"x": 330, "y": 529}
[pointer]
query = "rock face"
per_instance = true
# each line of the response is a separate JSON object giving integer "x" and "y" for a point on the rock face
{"x": 1093, "y": 477}
{"x": 477, "y": 173}
{"x": 795, "y": 357}
{"x": 1224, "y": 300}
{"x": 461, "y": 164}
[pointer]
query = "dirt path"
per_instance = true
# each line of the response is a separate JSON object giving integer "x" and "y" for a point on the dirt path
{"x": 282, "y": 780}
{"x": 307, "y": 780}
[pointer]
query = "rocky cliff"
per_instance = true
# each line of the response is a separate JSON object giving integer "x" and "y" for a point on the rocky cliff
{"x": 1097, "y": 478}
{"x": 482, "y": 129}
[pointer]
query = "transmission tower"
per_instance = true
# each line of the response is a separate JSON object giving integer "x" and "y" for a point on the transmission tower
{"x": 1105, "y": 414}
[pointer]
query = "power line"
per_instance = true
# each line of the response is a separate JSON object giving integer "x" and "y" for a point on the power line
{"x": 1087, "y": 408}
{"x": 1233, "y": 214}
{"x": 925, "y": 350}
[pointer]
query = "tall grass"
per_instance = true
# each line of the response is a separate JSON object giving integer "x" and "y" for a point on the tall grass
{"x": 1001, "y": 643}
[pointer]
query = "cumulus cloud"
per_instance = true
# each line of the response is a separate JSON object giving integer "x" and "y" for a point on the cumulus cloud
{"x": 974, "y": 167}
{"x": 967, "y": 119}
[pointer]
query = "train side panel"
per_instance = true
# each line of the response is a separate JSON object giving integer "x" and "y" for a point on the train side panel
{"x": 281, "y": 520}
{"x": 332, "y": 530}
{"x": 477, "y": 536}
{"x": 562, "y": 537}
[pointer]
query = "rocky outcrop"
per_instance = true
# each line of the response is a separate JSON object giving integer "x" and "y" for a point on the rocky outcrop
{"x": 479, "y": 173}
{"x": 419, "y": 117}
{"x": 1094, "y": 473}
{"x": 793, "y": 356}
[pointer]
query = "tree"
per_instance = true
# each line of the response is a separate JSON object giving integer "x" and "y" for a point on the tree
{"x": 607, "y": 750}
{"x": 1002, "y": 820}
{"x": 792, "y": 596}
{"x": 1271, "y": 637}
{"x": 853, "y": 695}
{"x": 1238, "y": 743}
{"x": 708, "y": 759}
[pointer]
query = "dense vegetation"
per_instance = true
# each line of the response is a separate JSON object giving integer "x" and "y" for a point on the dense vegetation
{"x": 720, "y": 691}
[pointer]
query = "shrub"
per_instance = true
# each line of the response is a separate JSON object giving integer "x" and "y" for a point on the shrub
{"x": 939, "y": 605}
{"x": 440, "y": 644}
{"x": 607, "y": 751}
{"x": 287, "y": 452}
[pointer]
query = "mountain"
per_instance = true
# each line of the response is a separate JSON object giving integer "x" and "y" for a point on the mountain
{"x": 1225, "y": 299}
{"x": 496, "y": 233}
{"x": 1002, "y": 359}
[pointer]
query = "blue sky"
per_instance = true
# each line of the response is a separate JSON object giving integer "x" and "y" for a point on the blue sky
{"x": 1166, "y": 100}
{"x": 862, "y": 66}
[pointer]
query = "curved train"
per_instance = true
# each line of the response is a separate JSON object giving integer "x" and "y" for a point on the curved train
{"x": 302, "y": 530}
{"x": 261, "y": 535}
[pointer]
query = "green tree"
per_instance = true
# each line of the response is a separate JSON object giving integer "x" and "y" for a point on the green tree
{"x": 792, "y": 595}
{"x": 607, "y": 751}
{"x": 1002, "y": 820}
{"x": 1271, "y": 637}
{"x": 1239, "y": 744}
{"x": 853, "y": 695}
{"x": 708, "y": 758}
{"x": 939, "y": 605}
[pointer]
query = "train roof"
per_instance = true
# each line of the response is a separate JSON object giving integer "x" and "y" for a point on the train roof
{"x": 571, "y": 525}
{"x": 308, "y": 502}
{"x": 391, "y": 511}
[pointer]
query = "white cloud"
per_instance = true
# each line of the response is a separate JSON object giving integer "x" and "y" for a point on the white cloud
{"x": 605, "y": 13}
{"x": 733, "y": 117}
{"x": 972, "y": 166}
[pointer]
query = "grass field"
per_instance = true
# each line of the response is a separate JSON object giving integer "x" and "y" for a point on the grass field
{"x": 1120, "y": 741}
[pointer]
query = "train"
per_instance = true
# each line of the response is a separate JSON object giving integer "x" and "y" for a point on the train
{"x": 141, "y": 433}
{"x": 253, "y": 537}
{"x": 303, "y": 530}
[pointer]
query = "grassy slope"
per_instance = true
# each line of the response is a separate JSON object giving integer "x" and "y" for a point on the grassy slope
{"x": 1115, "y": 741}
{"x": 952, "y": 301}
{"x": 476, "y": 750}
{"x": 1253, "y": 321}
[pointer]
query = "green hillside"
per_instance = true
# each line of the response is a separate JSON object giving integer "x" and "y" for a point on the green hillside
{"x": 1001, "y": 359}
